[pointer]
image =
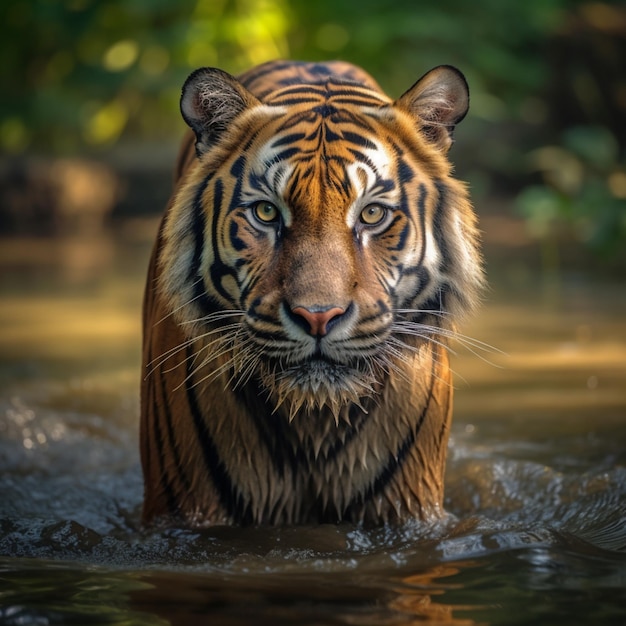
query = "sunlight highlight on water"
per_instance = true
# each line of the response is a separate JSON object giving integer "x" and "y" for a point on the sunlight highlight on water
{"x": 535, "y": 487}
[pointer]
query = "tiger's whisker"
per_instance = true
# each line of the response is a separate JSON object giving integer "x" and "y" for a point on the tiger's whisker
{"x": 165, "y": 356}
{"x": 406, "y": 326}
{"x": 472, "y": 345}
{"x": 427, "y": 335}
{"x": 182, "y": 306}
{"x": 235, "y": 346}
{"x": 213, "y": 317}
{"x": 401, "y": 346}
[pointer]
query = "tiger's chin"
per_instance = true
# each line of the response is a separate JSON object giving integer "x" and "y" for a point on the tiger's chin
{"x": 318, "y": 384}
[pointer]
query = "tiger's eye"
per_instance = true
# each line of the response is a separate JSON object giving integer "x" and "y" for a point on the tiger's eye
{"x": 373, "y": 214}
{"x": 265, "y": 212}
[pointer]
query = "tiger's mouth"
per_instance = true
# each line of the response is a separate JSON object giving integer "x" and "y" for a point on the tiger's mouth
{"x": 320, "y": 370}
{"x": 318, "y": 382}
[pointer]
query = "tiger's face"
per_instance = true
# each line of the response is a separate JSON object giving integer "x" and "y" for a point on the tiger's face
{"x": 319, "y": 240}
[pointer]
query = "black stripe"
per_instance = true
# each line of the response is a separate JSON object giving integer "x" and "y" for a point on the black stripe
{"x": 295, "y": 73}
{"x": 165, "y": 484}
{"x": 436, "y": 304}
{"x": 422, "y": 274}
{"x": 405, "y": 173}
{"x": 296, "y": 189}
{"x": 396, "y": 460}
{"x": 286, "y": 139}
{"x": 198, "y": 227}
{"x": 358, "y": 419}
{"x": 206, "y": 304}
{"x": 171, "y": 440}
{"x": 359, "y": 140}
{"x": 238, "y": 167}
{"x": 257, "y": 73}
{"x": 284, "y": 101}
{"x": 358, "y": 120}
{"x": 270, "y": 429}
{"x": 362, "y": 158}
{"x": 290, "y": 152}
{"x": 421, "y": 212}
{"x": 257, "y": 181}
{"x": 237, "y": 171}
{"x": 329, "y": 136}
{"x": 230, "y": 497}
{"x": 370, "y": 318}
{"x": 357, "y": 99}
{"x": 306, "y": 95}
{"x": 401, "y": 236}
{"x": 262, "y": 317}
{"x": 235, "y": 241}
{"x": 351, "y": 94}
{"x": 249, "y": 282}
{"x": 325, "y": 110}
{"x": 309, "y": 89}
{"x": 218, "y": 268}
{"x": 438, "y": 227}
{"x": 384, "y": 184}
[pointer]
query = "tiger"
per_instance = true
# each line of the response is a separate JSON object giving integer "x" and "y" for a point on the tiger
{"x": 311, "y": 267}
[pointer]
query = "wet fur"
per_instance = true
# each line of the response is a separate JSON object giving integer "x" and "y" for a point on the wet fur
{"x": 233, "y": 434}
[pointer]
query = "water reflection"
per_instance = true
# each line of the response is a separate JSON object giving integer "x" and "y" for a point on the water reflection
{"x": 418, "y": 598}
{"x": 422, "y": 597}
{"x": 183, "y": 599}
{"x": 536, "y": 480}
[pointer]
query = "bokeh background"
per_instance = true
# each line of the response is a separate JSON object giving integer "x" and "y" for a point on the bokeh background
{"x": 90, "y": 126}
{"x": 89, "y": 102}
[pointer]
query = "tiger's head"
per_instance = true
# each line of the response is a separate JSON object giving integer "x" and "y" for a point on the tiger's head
{"x": 318, "y": 241}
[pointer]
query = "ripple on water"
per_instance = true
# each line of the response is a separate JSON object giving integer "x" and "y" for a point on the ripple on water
{"x": 72, "y": 545}
{"x": 71, "y": 488}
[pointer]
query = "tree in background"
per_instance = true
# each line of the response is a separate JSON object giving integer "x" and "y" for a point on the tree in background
{"x": 82, "y": 74}
{"x": 548, "y": 88}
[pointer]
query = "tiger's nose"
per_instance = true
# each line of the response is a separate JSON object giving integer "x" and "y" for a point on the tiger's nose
{"x": 316, "y": 322}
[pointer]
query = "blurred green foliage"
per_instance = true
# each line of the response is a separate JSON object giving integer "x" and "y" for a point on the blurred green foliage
{"x": 78, "y": 74}
{"x": 584, "y": 188}
{"x": 548, "y": 88}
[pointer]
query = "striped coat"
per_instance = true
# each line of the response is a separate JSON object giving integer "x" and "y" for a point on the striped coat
{"x": 310, "y": 268}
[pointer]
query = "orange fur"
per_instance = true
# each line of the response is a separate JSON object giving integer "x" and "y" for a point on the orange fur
{"x": 252, "y": 412}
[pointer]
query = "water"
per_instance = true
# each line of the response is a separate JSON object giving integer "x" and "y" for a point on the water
{"x": 536, "y": 482}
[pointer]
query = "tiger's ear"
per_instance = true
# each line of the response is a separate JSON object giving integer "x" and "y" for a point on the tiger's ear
{"x": 210, "y": 101}
{"x": 440, "y": 100}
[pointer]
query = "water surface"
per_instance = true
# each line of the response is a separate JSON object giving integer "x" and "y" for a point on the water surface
{"x": 536, "y": 481}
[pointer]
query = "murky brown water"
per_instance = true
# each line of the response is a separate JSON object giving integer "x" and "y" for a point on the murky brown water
{"x": 536, "y": 485}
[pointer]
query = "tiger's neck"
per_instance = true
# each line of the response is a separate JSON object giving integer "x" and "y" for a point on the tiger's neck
{"x": 383, "y": 458}
{"x": 215, "y": 454}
